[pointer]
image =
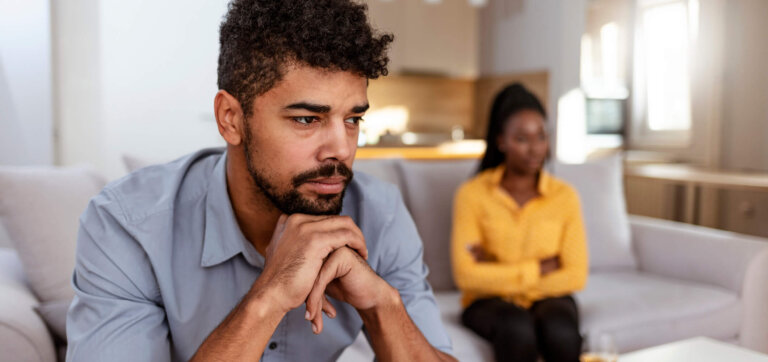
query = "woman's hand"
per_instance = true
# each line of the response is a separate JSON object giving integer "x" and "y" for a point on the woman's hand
{"x": 479, "y": 254}
{"x": 549, "y": 265}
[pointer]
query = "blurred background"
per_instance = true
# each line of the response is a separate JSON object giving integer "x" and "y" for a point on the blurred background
{"x": 679, "y": 86}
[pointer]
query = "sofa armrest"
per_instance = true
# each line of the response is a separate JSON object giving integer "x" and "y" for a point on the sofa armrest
{"x": 23, "y": 334}
{"x": 733, "y": 261}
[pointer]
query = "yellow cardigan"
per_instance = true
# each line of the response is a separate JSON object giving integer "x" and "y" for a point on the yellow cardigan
{"x": 519, "y": 238}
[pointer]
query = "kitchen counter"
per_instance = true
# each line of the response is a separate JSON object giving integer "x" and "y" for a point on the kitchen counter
{"x": 469, "y": 149}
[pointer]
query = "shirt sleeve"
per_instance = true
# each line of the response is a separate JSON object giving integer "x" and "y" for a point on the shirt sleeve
{"x": 487, "y": 278}
{"x": 402, "y": 266}
{"x": 115, "y": 315}
{"x": 574, "y": 263}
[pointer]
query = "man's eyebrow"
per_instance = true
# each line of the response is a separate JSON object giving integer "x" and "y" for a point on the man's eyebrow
{"x": 361, "y": 109}
{"x": 314, "y": 108}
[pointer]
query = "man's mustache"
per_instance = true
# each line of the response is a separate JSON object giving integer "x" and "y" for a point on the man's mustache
{"x": 327, "y": 170}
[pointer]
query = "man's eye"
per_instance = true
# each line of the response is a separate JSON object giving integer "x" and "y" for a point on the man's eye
{"x": 354, "y": 120}
{"x": 305, "y": 120}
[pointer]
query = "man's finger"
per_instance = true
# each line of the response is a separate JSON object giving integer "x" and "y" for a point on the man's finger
{"x": 326, "y": 242}
{"x": 328, "y": 308}
{"x": 332, "y": 269}
{"x": 325, "y": 306}
{"x": 317, "y": 322}
{"x": 341, "y": 224}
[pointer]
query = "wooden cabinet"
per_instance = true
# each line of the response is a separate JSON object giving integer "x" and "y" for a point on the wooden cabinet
{"x": 430, "y": 38}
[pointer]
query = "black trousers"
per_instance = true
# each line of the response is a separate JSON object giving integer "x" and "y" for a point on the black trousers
{"x": 550, "y": 328}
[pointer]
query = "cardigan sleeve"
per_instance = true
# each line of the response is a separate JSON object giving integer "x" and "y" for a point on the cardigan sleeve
{"x": 574, "y": 257}
{"x": 488, "y": 278}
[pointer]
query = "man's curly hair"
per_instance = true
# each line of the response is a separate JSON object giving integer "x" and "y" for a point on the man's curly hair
{"x": 258, "y": 38}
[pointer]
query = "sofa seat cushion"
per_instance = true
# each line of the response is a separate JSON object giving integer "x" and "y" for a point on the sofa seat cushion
{"x": 641, "y": 310}
{"x": 23, "y": 335}
{"x": 467, "y": 346}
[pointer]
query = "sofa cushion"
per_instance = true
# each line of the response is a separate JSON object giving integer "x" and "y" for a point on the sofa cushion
{"x": 600, "y": 187}
{"x": 428, "y": 188}
{"x": 383, "y": 169}
{"x": 5, "y": 240}
{"x": 54, "y": 314}
{"x": 642, "y": 310}
{"x": 40, "y": 208}
{"x": 133, "y": 163}
{"x": 23, "y": 336}
{"x": 467, "y": 346}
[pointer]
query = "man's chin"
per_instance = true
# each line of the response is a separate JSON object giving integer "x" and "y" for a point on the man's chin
{"x": 327, "y": 204}
{"x": 322, "y": 204}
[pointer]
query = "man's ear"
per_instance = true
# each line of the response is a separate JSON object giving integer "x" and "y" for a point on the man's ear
{"x": 229, "y": 117}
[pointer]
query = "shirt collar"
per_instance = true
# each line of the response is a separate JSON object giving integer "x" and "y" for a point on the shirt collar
{"x": 544, "y": 186}
{"x": 223, "y": 238}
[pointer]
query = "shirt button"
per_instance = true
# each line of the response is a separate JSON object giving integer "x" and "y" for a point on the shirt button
{"x": 272, "y": 345}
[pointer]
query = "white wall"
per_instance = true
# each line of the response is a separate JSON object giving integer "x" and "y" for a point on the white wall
{"x": 26, "y": 122}
{"x": 77, "y": 85}
{"x": 533, "y": 35}
{"x": 138, "y": 78}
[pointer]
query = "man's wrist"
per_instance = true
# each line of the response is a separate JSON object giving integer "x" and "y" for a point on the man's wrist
{"x": 263, "y": 301}
{"x": 388, "y": 300}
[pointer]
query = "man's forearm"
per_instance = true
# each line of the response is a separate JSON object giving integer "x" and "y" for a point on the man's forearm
{"x": 394, "y": 336}
{"x": 244, "y": 334}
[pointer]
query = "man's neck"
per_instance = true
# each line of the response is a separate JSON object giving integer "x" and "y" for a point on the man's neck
{"x": 255, "y": 214}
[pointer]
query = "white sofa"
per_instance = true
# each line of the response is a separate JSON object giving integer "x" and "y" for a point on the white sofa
{"x": 651, "y": 281}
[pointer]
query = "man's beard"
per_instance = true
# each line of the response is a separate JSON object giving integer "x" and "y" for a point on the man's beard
{"x": 293, "y": 202}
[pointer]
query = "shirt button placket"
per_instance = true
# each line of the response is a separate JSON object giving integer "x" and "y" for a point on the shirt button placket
{"x": 272, "y": 352}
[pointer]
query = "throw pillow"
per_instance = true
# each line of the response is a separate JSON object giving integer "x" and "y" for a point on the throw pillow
{"x": 40, "y": 207}
{"x": 601, "y": 189}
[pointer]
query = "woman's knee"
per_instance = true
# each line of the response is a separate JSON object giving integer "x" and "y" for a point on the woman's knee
{"x": 519, "y": 328}
{"x": 515, "y": 340}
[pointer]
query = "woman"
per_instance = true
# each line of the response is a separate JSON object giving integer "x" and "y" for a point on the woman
{"x": 518, "y": 247}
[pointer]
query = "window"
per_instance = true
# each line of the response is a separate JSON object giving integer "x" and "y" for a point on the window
{"x": 664, "y": 35}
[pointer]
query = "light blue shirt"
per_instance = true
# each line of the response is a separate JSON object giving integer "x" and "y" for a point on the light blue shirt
{"x": 161, "y": 262}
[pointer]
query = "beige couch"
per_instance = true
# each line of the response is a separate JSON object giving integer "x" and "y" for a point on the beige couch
{"x": 650, "y": 282}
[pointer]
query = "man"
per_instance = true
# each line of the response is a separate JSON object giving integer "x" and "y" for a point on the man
{"x": 236, "y": 255}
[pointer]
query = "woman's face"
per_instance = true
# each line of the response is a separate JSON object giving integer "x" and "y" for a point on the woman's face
{"x": 524, "y": 142}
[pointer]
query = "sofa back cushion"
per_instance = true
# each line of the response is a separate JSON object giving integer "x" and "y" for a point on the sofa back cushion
{"x": 385, "y": 169}
{"x": 600, "y": 187}
{"x": 5, "y": 240}
{"x": 40, "y": 207}
{"x": 428, "y": 188}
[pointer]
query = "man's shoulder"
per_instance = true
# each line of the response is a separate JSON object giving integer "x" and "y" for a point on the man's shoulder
{"x": 160, "y": 187}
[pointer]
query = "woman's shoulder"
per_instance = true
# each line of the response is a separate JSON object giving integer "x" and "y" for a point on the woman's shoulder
{"x": 478, "y": 182}
{"x": 474, "y": 190}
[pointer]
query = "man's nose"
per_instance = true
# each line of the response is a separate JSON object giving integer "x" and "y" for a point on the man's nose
{"x": 337, "y": 143}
